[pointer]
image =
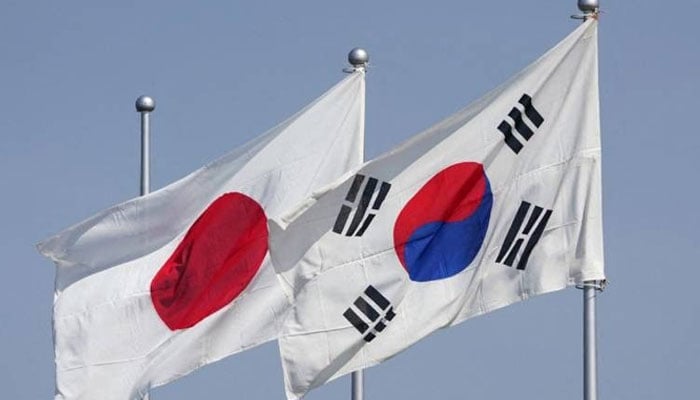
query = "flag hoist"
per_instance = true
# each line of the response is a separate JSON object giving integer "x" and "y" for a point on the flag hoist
{"x": 590, "y": 10}
{"x": 358, "y": 59}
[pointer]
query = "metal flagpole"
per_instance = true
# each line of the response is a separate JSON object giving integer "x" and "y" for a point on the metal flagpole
{"x": 145, "y": 105}
{"x": 590, "y": 9}
{"x": 590, "y": 351}
{"x": 358, "y": 58}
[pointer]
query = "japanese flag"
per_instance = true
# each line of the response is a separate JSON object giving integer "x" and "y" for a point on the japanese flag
{"x": 151, "y": 289}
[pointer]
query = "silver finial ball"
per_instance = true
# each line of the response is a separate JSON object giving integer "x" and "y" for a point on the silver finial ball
{"x": 358, "y": 57}
{"x": 588, "y": 6}
{"x": 145, "y": 104}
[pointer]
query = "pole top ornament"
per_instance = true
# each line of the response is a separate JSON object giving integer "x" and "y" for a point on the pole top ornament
{"x": 358, "y": 57}
{"x": 145, "y": 104}
{"x": 590, "y": 9}
{"x": 588, "y": 6}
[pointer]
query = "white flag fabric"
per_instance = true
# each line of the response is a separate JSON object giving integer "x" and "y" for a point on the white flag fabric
{"x": 498, "y": 203}
{"x": 153, "y": 288}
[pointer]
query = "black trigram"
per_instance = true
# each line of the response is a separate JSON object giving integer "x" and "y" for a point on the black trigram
{"x": 362, "y": 218}
{"x": 371, "y": 306}
{"x": 529, "y": 235}
{"x": 519, "y": 123}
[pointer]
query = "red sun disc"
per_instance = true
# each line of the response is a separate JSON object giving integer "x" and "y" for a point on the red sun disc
{"x": 215, "y": 261}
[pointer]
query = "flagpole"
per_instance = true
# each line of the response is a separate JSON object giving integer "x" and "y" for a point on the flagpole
{"x": 590, "y": 351}
{"x": 145, "y": 105}
{"x": 590, "y": 9}
{"x": 358, "y": 59}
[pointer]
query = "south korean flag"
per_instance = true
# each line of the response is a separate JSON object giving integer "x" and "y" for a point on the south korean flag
{"x": 497, "y": 203}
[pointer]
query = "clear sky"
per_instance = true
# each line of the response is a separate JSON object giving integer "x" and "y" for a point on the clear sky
{"x": 224, "y": 72}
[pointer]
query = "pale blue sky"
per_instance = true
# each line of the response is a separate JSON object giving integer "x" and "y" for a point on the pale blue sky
{"x": 224, "y": 72}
